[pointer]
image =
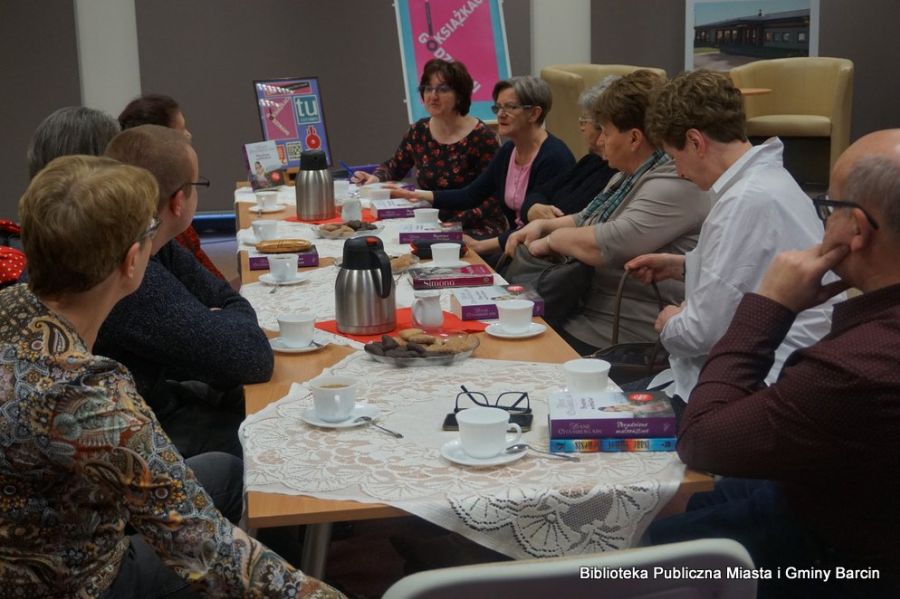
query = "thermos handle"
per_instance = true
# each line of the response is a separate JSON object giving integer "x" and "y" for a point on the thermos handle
{"x": 383, "y": 286}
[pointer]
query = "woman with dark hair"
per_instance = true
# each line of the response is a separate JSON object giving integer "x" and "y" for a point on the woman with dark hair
{"x": 449, "y": 148}
{"x": 530, "y": 158}
{"x": 158, "y": 109}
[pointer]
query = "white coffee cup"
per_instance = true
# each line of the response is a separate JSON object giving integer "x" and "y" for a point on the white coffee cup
{"x": 334, "y": 397}
{"x": 341, "y": 188}
{"x": 266, "y": 200}
{"x": 351, "y": 209}
{"x": 283, "y": 267}
{"x": 297, "y": 328}
{"x": 265, "y": 229}
{"x": 426, "y": 216}
{"x": 586, "y": 375}
{"x": 445, "y": 254}
{"x": 482, "y": 431}
{"x": 515, "y": 315}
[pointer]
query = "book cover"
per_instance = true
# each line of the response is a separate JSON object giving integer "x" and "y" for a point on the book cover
{"x": 413, "y": 232}
{"x": 260, "y": 261}
{"x": 265, "y": 165}
{"x": 612, "y": 445}
{"x": 479, "y": 303}
{"x": 611, "y": 414}
{"x": 397, "y": 208}
{"x": 473, "y": 275}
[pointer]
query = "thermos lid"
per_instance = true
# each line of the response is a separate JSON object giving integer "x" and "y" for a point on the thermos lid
{"x": 313, "y": 160}
{"x": 361, "y": 253}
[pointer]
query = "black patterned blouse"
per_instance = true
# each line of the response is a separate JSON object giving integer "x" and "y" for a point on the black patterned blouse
{"x": 449, "y": 166}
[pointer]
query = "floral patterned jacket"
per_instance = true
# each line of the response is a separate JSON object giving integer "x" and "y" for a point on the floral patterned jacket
{"x": 81, "y": 455}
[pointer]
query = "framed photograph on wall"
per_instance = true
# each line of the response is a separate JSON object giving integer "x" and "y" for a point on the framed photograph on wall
{"x": 722, "y": 34}
{"x": 470, "y": 31}
{"x": 291, "y": 115}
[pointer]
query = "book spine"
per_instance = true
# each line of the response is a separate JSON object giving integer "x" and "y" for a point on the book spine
{"x": 612, "y": 445}
{"x": 394, "y": 213}
{"x": 304, "y": 259}
{"x": 469, "y": 281}
{"x": 414, "y": 236}
{"x": 487, "y": 311}
{"x": 617, "y": 428}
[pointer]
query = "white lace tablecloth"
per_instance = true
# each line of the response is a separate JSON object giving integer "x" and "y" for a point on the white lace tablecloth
{"x": 534, "y": 507}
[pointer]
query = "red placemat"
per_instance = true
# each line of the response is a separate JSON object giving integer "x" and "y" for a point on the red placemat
{"x": 404, "y": 321}
{"x": 367, "y": 217}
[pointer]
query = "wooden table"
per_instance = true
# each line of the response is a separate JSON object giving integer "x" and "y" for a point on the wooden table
{"x": 271, "y": 509}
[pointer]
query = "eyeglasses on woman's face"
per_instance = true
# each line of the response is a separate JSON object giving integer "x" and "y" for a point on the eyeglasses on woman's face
{"x": 509, "y": 108}
{"x": 443, "y": 88}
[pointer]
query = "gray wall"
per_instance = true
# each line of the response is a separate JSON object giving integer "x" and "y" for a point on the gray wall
{"x": 651, "y": 33}
{"x": 38, "y": 74}
{"x": 351, "y": 45}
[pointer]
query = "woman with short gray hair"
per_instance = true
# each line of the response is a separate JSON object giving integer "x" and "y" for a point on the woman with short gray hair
{"x": 530, "y": 158}
{"x": 67, "y": 131}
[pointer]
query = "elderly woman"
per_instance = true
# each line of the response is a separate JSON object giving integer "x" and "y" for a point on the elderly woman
{"x": 530, "y": 158}
{"x": 70, "y": 130}
{"x": 158, "y": 109}
{"x": 570, "y": 191}
{"x": 449, "y": 149}
{"x": 647, "y": 205}
{"x": 83, "y": 455}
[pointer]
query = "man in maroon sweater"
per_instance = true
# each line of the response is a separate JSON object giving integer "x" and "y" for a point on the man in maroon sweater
{"x": 814, "y": 456}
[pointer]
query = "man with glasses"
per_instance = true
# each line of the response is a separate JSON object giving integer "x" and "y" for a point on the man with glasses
{"x": 188, "y": 338}
{"x": 825, "y": 432}
{"x": 758, "y": 211}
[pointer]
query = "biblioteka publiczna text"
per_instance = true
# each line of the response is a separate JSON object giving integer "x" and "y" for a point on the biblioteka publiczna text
{"x": 735, "y": 572}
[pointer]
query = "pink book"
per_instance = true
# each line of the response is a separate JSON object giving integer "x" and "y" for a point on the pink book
{"x": 473, "y": 275}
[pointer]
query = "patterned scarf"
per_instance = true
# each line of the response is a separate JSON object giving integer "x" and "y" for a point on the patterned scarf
{"x": 606, "y": 202}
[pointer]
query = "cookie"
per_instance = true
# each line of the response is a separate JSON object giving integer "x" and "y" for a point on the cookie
{"x": 406, "y": 334}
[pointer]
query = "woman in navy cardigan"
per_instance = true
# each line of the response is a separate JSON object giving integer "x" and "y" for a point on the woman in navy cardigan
{"x": 530, "y": 157}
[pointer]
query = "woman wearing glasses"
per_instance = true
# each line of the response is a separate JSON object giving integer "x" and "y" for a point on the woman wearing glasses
{"x": 530, "y": 158}
{"x": 449, "y": 149}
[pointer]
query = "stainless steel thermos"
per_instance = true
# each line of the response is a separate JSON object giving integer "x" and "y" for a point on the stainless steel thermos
{"x": 314, "y": 187}
{"x": 364, "y": 289}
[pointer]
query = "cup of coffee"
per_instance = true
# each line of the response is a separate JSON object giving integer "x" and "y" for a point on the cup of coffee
{"x": 586, "y": 375}
{"x": 297, "y": 329}
{"x": 445, "y": 254}
{"x": 515, "y": 315}
{"x": 482, "y": 431}
{"x": 334, "y": 397}
{"x": 426, "y": 216}
{"x": 266, "y": 200}
{"x": 265, "y": 229}
{"x": 283, "y": 267}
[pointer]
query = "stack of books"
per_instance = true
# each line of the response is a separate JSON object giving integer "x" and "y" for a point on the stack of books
{"x": 441, "y": 277}
{"x": 413, "y": 232}
{"x": 259, "y": 261}
{"x": 611, "y": 421}
{"x": 397, "y": 208}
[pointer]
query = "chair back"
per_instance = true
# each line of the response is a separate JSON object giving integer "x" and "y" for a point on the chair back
{"x": 567, "y": 82}
{"x": 570, "y": 577}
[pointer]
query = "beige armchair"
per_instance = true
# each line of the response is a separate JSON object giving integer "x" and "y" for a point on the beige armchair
{"x": 567, "y": 81}
{"x": 810, "y": 97}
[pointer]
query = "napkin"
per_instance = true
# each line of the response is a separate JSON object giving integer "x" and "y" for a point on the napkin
{"x": 404, "y": 321}
{"x": 367, "y": 217}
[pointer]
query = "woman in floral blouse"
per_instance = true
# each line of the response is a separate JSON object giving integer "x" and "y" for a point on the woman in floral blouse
{"x": 449, "y": 148}
{"x": 81, "y": 453}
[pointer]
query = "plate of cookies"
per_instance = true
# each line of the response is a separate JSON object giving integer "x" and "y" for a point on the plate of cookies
{"x": 351, "y": 228}
{"x": 417, "y": 347}
{"x": 400, "y": 264}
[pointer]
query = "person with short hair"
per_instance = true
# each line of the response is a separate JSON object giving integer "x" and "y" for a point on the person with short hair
{"x": 530, "y": 158}
{"x": 162, "y": 110}
{"x": 69, "y": 130}
{"x": 190, "y": 340}
{"x": 82, "y": 455}
{"x": 448, "y": 149}
{"x": 646, "y": 207}
{"x": 758, "y": 211}
{"x": 810, "y": 461}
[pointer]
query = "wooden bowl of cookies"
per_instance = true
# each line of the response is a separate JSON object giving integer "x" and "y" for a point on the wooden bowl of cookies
{"x": 416, "y": 347}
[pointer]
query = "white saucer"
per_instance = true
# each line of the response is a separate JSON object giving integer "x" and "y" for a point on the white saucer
{"x": 279, "y": 345}
{"x": 453, "y": 451}
{"x": 268, "y": 279}
{"x": 256, "y": 208}
{"x": 497, "y": 330}
{"x": 456, "y": 264}
{"x": 309, "y": 417}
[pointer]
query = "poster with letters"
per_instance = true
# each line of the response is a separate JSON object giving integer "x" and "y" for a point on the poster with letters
{"x": 470, "y": 31}
{"x": 291, "y": 115}
{"x": 722, "y": 34}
